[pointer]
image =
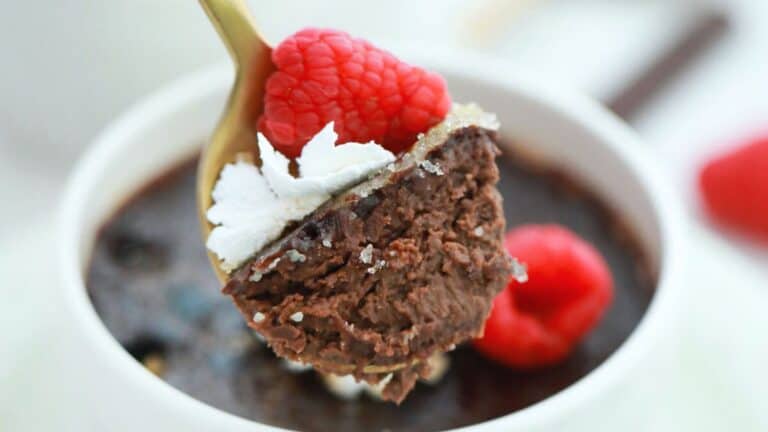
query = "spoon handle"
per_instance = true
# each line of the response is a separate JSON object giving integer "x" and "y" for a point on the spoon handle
{"x": 235, "y": 25}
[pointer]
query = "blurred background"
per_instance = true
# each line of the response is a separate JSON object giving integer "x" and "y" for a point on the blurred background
{"x": 691, "y": 76}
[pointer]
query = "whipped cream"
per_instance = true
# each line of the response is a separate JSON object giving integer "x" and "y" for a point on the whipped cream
{"x": 252, "y": 206}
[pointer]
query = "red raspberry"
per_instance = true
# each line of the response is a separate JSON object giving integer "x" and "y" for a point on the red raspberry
{"x": 734, "y": 189}
{"x": 538, "y": 323}
{"x": 326, "y": 75}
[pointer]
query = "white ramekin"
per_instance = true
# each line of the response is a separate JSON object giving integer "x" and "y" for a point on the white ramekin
{"x": 570, "y": 131}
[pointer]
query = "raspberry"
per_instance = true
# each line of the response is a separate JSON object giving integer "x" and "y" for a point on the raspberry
{"x": 538, "y": 323}
{"x": 734, "y": 189}
{"x": 326, "y": 75}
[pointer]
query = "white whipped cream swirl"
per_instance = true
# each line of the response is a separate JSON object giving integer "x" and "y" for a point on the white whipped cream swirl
{"x": 252, "y": 206}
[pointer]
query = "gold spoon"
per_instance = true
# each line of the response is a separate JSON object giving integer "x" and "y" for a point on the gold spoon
{"x": 236, "y": 132}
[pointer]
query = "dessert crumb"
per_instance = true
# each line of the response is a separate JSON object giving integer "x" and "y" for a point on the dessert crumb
{"x": 294, "y": 366}
{"x": 366, "y": 255}
{"x": 295, "y": 256}
{"x": 479, "y": 231}
{"x": 258, "y": 317}
{"x": 256, "y": 276}
{"x": 154, "y": 363}
{"x": 408, "y": 336}
{"x": 519, "y": 271}
{"x": 273, "y": 264}
{"x": 227, "y": 267}
{"x": 439, "y": 365}
{"x": 432, "y": 168}
{"x": 345, "y": 387}
{"x": 376, "y": 267}
{"x": 327, "y": 243}
{"x": 297, "y": 317}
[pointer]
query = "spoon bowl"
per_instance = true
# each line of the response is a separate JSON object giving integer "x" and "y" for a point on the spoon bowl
{"x": 236, "y": 131}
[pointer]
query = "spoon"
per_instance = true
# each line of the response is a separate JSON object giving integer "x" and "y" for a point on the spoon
{"x": 235, "y": 134}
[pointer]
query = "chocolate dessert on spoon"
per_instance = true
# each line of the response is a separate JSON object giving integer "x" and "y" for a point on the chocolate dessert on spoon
{"x": 380, "y": 245}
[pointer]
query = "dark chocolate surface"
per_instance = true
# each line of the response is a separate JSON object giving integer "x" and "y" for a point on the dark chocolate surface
{"x": 151, "y": 283}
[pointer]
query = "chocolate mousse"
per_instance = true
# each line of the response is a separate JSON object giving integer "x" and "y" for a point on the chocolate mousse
{"x": 381, "y": 277}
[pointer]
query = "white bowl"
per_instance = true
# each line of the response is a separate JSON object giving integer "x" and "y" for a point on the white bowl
{"x": 564, "y": 129}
